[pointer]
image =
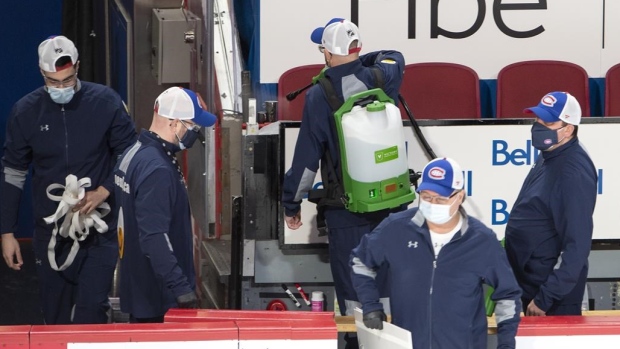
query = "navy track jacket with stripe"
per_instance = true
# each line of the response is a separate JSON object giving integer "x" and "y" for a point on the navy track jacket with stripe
{"x": 440, "y": 300}
{"x": 84, "y": 137}
{"x": 157, "y": 260}
{"x": 317, "y": 137}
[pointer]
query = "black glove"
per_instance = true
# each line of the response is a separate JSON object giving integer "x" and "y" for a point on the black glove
{"x": 187, "y": 301}
{"x": 374, "y": 319}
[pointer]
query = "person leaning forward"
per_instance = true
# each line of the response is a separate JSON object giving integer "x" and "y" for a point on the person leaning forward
{"x": 155, "y": 233}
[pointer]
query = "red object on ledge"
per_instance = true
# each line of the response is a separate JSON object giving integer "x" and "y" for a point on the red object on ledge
{"x": 569, "y": 325}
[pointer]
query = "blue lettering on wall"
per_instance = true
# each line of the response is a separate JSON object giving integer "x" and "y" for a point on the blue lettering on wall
{"x": 502, "y": 155}
{"x": 499, "y": 214}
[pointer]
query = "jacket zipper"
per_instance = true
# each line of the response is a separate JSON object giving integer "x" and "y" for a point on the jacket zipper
{"x": 64, "y": 119}
{"x": 430, "y": 305}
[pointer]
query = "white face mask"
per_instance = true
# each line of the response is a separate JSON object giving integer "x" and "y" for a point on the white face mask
{"x": 436, "y": 213}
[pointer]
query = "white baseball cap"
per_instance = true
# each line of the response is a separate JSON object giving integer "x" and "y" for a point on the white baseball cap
{"x": 54, "y": 48}
{"x": 337, "y": 35}
{"x": 183, "y": 104}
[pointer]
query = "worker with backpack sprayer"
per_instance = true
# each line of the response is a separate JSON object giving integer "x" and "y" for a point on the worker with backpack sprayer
{"x": 355, "y": 199}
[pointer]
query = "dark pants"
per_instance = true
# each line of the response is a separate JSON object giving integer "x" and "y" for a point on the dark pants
{"x": 341, "y": 242}
{"x": 78, "y": 294}
{"x": 569, "y": 304}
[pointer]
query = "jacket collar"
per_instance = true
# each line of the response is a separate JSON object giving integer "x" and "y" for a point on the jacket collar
{"x": 547, "y": 155}
{"x": 151, "y": 138}
{"x": 342, "y": 70}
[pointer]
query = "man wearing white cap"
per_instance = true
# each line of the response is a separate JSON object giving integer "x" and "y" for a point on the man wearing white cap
{"x": 155, "y": 228}
{"x": 66, "y": 129}
{"x": 349, "y": 73}
{"x": 438, "y": 259}
{"x": 549, "y": 231}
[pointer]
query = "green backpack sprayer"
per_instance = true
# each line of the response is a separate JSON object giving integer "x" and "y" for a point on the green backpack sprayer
{"x": 375, "y": 173}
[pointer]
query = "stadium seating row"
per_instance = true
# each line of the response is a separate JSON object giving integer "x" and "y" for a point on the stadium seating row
{"x": 452, "y": 91}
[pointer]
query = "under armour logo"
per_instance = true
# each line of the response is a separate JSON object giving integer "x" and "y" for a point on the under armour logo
{"x": 58, "y": 50}
{"x": 412, "y": 244}
{"x": 37, "y": 261}
{"x": 45, "y": 128}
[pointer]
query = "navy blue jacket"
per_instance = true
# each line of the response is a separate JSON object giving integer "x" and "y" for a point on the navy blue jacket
{"x": 84, "y": 137}
{"x": 157, "y": 263}
{"x": 549, "y": 232}
{"x": 441, "y": 301}
{"x": 316, "y": 136}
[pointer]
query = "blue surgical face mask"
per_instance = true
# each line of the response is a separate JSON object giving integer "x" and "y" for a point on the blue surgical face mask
{"x": 436, "y": 213}
{"x": 61, "y": 95}
{"x": 543, "y": 138}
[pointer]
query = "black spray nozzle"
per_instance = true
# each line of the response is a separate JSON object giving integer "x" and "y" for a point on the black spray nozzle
{"x": 315, "y": 79}
{"x": 294, "y": 94}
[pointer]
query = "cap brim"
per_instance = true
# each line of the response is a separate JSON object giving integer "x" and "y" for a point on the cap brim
{"x": 205, "y": 119}
{"x": 541, "y": 113}
{"x": 439, "y": 189}
{"x": 317, "y": 35}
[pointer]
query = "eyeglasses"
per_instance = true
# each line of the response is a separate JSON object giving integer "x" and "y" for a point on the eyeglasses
{"x": 194, "y": 127}
{"x": 321, "y": 48}
{"x": 442, "y": 200}
{"x": 68, "y": 82}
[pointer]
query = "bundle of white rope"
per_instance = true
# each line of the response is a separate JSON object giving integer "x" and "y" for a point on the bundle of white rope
{"x": 76, "y": 225}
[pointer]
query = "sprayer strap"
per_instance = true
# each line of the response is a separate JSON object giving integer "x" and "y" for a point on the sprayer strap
{"x": 333, "y": 178}
{"x": 379, "y": 80}
{"x": 332, "y": 97}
